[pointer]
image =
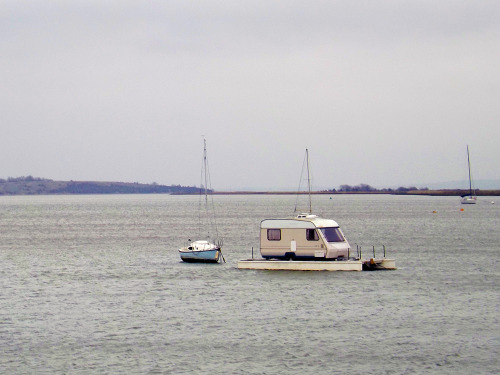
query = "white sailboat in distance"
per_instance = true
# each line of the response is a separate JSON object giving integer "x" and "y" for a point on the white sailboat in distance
{"x": 470, "y": 198}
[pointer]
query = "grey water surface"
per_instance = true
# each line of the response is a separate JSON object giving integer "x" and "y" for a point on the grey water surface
{"x": 95, "y": 285}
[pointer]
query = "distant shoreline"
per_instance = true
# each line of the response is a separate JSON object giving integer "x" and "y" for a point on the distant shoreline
{"x": 39, "y": 186}
{"x": 442, "y": 193}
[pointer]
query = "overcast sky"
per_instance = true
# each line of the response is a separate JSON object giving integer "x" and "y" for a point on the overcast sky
{"x": 387, "y": 93}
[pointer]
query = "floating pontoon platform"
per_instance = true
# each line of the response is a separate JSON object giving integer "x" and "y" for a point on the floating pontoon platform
{"x": 303, "y": 265}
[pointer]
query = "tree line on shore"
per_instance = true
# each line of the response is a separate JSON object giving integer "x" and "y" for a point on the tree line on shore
{"x": 30, "y": 185}
{"x": 365, "y": 188}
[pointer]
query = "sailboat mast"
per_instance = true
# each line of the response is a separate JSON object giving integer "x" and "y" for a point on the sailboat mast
{"x": 468, "y": 163}
{"x": 205, "y": 172}
{"x": 309, "y": 181}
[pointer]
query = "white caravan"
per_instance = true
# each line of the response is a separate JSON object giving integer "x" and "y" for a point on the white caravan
{"x": 304, "y": 237}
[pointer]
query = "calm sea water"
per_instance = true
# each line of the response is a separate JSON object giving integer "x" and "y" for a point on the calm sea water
{"x": 94, "y": 285}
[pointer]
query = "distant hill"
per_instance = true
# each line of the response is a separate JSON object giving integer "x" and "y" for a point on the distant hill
{"x": 41, "y": 186}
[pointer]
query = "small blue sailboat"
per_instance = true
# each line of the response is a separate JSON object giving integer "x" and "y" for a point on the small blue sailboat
{"x": 201, "y": 252}
{"x": 206, "y": 250}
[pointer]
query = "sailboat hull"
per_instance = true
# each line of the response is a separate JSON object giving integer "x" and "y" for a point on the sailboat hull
{"x": 200, "y": 256}
{"x": 469, "y": 200}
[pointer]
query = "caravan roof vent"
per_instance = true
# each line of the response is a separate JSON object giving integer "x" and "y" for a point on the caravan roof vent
{"x": 306, "y": 216}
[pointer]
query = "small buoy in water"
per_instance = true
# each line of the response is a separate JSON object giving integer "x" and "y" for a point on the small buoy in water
{"x": 492, "y": 202}
{"x": 330, "y": 197}
{"x": 434, "y": 212}
{"x": 461, "y": 209}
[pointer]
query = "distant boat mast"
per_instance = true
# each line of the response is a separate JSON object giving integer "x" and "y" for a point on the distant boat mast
{"x": 305, "y": 164}
{"x": 468, "y": 163}
{"x": 309, "y": 181}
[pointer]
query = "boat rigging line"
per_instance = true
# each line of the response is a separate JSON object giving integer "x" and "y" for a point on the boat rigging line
{"x": 305, "y": 165}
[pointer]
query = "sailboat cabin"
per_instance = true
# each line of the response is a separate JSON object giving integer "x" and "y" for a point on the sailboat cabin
{"x": 304, "y": 237}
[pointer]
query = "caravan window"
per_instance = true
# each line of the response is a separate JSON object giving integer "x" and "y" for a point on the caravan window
{"x": 274, "y": 234}
{"x": 332, "y": 234}
{"x": 312, "y": 235}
